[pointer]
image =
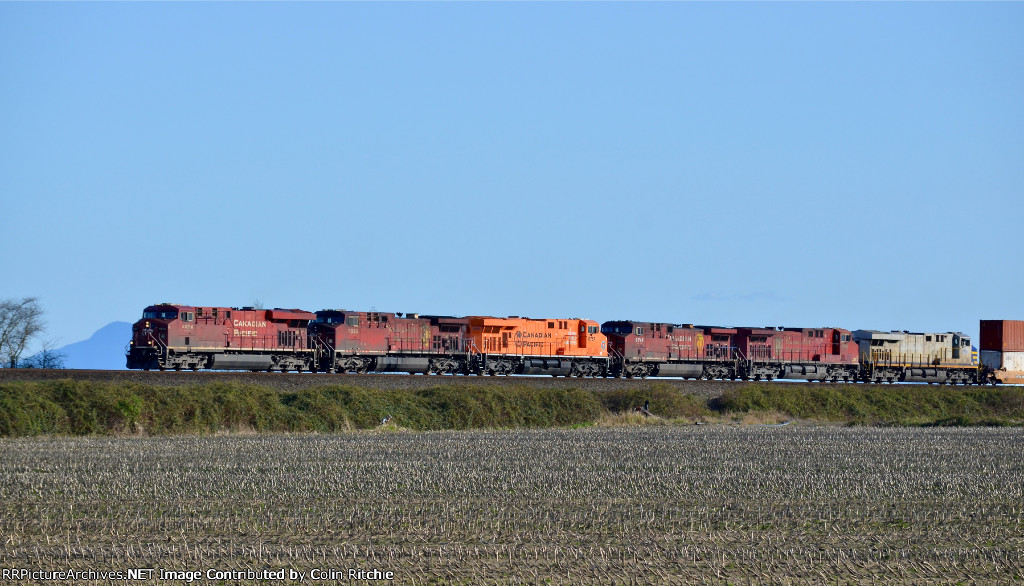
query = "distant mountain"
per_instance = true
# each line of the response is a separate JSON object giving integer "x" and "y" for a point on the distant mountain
{"x": 103, "y": 351}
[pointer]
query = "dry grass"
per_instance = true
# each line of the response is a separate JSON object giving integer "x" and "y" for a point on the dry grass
{"x": 630, "y": 419}
{"x": 760, "y": 418}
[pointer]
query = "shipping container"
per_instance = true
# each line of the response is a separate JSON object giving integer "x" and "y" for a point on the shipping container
{"x": 1002, "y": 335}
{"x": 1008, "y": 367}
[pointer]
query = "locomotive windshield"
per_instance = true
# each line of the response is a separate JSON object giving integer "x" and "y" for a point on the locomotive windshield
{"x": 616, "y": 329}
{"x": 160, "y": 314}
{"x": 330, "y": 318}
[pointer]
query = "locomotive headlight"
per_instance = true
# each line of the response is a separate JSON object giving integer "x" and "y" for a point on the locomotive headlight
{"x": 147, "y": 324}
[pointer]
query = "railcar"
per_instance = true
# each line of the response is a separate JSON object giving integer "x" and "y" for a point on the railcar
{"x": 1002, "y": 350}
{"x": 896, "y": 356}
{"x": 171, "y": 336}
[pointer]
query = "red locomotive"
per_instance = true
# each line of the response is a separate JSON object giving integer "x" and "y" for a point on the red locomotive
{"x": 224, "y": 338}
{"x": 361, "y": 341}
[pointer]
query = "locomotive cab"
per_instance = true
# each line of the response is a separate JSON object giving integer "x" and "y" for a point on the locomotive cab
{"x": 149, "y": 336}
{"x": 323, "y": 329}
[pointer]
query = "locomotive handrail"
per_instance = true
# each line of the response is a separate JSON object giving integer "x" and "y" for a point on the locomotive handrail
{"x": 162, "y": 346}
{"x": 320, "y": 344}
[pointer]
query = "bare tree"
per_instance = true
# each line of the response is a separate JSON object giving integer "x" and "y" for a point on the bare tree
{"x": 20, "y": 322}
{"x": 48, "y": 357}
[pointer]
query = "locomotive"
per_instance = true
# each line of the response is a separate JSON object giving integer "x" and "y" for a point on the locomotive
{"x": 179, "y": 337}
{"x": 221, "y": 338}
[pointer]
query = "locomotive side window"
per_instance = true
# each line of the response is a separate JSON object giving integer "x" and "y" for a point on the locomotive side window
{"x": 353, "y": 320}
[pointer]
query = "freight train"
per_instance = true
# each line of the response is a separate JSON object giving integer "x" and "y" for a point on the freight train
{"x": 180, "y": 337}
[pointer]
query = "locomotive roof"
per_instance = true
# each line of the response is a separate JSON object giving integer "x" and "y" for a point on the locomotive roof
{"x": 898, "y": 334}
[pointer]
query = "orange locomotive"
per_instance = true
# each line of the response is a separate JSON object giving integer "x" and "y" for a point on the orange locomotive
{"x": 515, "y": 345}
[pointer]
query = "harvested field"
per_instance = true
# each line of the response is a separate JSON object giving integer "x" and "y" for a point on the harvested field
{"x": 641, "y": 505}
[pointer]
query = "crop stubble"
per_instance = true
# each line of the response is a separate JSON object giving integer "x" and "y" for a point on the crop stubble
{"x": 621, "y": 505}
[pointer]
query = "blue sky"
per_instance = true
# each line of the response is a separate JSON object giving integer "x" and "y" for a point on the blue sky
{"x": 800, "y": 164}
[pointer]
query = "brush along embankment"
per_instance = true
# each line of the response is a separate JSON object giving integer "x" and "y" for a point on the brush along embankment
{"x": 75, "y": 407}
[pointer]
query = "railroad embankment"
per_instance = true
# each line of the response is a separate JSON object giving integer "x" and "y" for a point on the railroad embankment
{"x": 85, "y": 407}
